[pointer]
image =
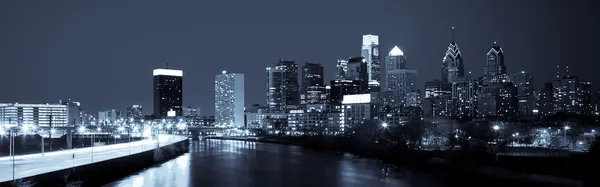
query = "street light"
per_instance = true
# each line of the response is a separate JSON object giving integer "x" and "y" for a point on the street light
{"x": 496, "y": 127}
{"x": 384, "y": 125}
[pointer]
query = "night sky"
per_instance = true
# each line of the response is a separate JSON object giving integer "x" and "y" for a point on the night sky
{"x": 102, "y": 53}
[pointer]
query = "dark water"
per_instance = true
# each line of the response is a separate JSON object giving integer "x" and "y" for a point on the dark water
{"x": 241, "y": 164}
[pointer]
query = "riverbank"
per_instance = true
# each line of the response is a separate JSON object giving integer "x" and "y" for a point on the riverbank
{"x": 438, "y": 163}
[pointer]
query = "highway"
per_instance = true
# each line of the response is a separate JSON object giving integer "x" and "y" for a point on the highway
{"x": 35, "y": 164}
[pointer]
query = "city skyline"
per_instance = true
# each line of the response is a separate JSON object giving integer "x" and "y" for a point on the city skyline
{"x": 129, "y": 67}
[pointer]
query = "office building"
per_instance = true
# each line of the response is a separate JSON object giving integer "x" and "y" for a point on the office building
{"x": 494, "y": 70}
{"x": 290, "y": 86}
{"x": 168, "y": 92}
{"x": 464, "y": 92}
{"x": 370, "y": 52}
{"x": 524, "y": 84}
{"x": 341, "y": 69}
{"x": 358, "y": 71}
{"x": 359, "y": 107}
{"x": 452, "y": 63}
{"x": 275, "y": 94}
{"x": 313, "y": 87}
{"x": 229, "y": 99}
{"x": 30, "y": 115}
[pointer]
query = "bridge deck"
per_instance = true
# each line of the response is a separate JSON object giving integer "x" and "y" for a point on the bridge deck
{"x": 35, "y": 164}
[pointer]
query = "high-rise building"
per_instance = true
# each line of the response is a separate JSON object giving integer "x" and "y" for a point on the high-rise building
{"x": 134, "y": 112}
{"x": 395, "y": 59}
{"x": 313, "y": 87}
{"x": 229, "y": 99}
{"x": 572, "y": 95}
{"x": 168, "y": 94}
{"x": 400, "y": 82}
{"x": 464, "y": 92}
{"x": 524, "y": 84}
{"x": 370, "y": 52}
{"x": 544, "y": 100}
{"x": 452, "y": 63}
{"x": 341, "y": 69}
{"x": 494, "y": 70}
{"x": 498, "y": 100}
{"x": 413, "y": 99}
{"x": 275, "y": 95}
{"x": 358, "y": 71}
{"x": 290, "y": 86}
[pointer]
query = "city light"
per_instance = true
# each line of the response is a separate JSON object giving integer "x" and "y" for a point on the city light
{"x": 121, "y": 129}
{"x": 81, "y": 129}
{"x": 496, "y": 127}
{"x": 52, "y": 131}
{"x": 99, "y": 129}
{"x": 567, "y": 127}
{"x": 2, "y": 132}
{"x": 384, "y": 125}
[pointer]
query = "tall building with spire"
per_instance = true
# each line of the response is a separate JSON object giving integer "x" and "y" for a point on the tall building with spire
{"x": 494, "y": 70}
{"x": 452, "y": 63}
{"x": 370, "y": 52}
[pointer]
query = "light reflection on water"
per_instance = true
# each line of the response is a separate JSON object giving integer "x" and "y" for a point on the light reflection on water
{"x": 240, "y": 164}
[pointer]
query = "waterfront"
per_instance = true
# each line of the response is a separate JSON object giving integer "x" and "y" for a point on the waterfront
{"x": 240, "y": 163}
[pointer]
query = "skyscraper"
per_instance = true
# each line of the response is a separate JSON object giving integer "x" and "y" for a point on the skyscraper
{"x": 494, "y": 70}
{"x": 358, "y": 71}
{"x": 464, "y": 92}
{"x": 290, "y": 86}
{"x": 395, "y": 59}
{"x": 452, "y": 63}
{"x": 341, "y": 69}
{"x": 275, "y": 96}
{"x": 370, "y": 51}
{"x": 168, "y": 94}
{"x": 313, "y": 87}
{"x": 524, "y": 83}
{"x": 400, "y": 82}
{"x": 229, "y": 99}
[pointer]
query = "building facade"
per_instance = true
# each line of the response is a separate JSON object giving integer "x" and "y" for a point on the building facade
{"x": 313, "y": 87}
{"x": 168, "y": 92}
{"x": 370, "y": 52}
{"x": 229, "y": 99}
{"x": 41, "y": 115}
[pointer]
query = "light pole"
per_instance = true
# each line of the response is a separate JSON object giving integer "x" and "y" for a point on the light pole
{"x": 565, "y": 133}
{"x": 42, "y": 135}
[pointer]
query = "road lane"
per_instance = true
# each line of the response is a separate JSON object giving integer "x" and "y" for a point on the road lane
{"x": 35, "y": 164}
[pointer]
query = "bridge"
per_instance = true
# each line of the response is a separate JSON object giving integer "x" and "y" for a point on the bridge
{"x": 29, "y": 165}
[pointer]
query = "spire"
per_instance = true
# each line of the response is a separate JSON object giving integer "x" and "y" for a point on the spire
{"x": 452, "y": 34}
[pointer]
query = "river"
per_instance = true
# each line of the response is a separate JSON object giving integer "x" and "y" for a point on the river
{"x": 239, "y": 164}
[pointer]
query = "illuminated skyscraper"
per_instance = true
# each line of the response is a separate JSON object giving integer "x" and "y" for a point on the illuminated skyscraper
{"x": 290, "y": 86}
{"x": 168, "y": 94}
{"x": 494, "y": 70}
{"x": 275, "y": 96}
{"x": 452, "y": 64}
{"x": 370, "y": 51}
{"x": 229, "y": 99}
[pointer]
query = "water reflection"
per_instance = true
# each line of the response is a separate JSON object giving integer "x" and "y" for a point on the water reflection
{"x": 240, "y": 164}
